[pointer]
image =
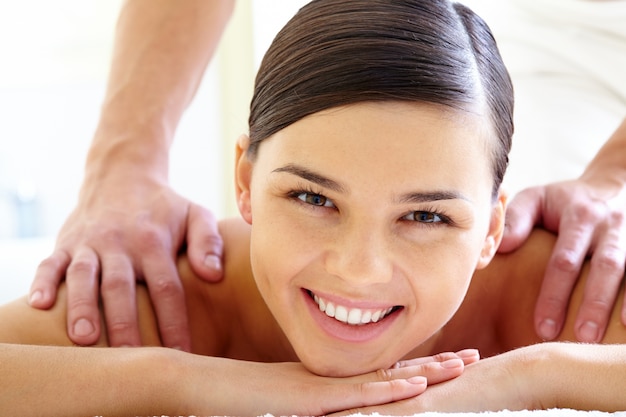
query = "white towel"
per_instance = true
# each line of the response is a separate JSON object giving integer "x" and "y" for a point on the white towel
{"x": 524, "y": 413}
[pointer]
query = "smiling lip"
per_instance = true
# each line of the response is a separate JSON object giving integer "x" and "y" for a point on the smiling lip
{"x": 352, "y": 324}
{"x": 353, "y": 316}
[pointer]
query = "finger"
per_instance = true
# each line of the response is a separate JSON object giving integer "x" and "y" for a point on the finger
{"x": 435, "y": 371}
{"x": 168, "y": 299}
{"x": 49, "y": 274}
{"x": 83, "y": 314}
{"x": 118, "y": 292}
{"x": 605, "y": 276}
{"x": 561, "y": 274}
{"x": 468, "y": 356}
{"x": 204, "y": 244}
{"x": 356, "y": 395}
{"x": 522, "y": 214}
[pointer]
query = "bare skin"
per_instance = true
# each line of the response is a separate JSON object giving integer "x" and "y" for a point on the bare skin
{"x": 123, "y": 239}
{"x": 230, "y": 319}
{"x": 411, "y": 267}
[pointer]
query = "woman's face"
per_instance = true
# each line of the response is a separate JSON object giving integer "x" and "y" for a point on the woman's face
{"x": 368, "y": 221}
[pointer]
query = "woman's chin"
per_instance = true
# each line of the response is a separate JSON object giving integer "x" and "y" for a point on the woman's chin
{"x": 342, "y": 369}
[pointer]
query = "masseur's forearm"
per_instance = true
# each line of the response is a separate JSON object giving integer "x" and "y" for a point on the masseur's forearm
{"x": 161, "y": 51}
{"x": 48, "y": 381}
{"x": 611, "y": 158}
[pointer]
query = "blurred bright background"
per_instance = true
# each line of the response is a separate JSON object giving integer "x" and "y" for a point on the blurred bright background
{"x": 55, "y": 59}
{"x": 567, "y": 67}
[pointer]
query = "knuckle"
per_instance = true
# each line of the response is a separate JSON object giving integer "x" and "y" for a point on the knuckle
{"x": 164, "y": 286}
{"x": 111, "y": 235}
{"x": 121, "y": 326}
{"x": 601, "y": 304}
{"x": 116, "y": 282}
{"x": 566, "y": 261}
{"x": 598, "y": 306}
{"x": 212, "y": 240}
{"x": 609, "y": 259}
{"x": 553, "y": 304}
{"x": 617, "y": 217}
{"x": 384, "y": 375}
{"x": 149, "y": 238}
{"x": 400, "y": 364}
{"x": 82, "y": 304}
{"x": 584, "y": 212}
{"x": 82, "y": 267}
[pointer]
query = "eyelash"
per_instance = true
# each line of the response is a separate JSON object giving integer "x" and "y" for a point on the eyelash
{"x": 444, "y": 219}
{"x": 295, "y": 195}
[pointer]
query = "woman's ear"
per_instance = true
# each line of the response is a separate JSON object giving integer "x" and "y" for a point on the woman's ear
{"x": 243, "y": 175}
{"x": 496, "y": 230}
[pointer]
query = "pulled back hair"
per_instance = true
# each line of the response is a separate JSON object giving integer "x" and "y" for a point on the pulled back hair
{"x": 339, "y": 52}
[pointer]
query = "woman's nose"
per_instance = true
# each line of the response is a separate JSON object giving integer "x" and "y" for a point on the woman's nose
{"x": 361, "y": 257}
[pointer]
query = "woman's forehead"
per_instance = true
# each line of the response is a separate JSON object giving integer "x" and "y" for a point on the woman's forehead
{"x": 385, "y": 141}
{"x": 388, "y": 125}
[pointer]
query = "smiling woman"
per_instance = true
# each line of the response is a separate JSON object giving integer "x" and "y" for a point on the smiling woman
{"x": 369, "y": 191}
{"x": 310, "y": 206}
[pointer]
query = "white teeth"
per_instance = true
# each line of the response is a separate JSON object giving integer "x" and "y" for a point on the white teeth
{"x": 376, "y": 316}
{"x": 341, "y": 314}
{"x": 353, "y": 316}
{"x": 366, "y": 317}
{"x": 330, "y": 310}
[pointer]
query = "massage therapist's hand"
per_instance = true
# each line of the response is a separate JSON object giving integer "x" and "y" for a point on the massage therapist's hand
{"x": 288, "y": 388}
{"x": 589, "y": 215}
{"x": 121, "y": 231}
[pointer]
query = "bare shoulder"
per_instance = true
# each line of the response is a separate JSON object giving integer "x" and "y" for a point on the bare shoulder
{"x": 234, "y": 231}
{"x": 217, "y": 311}
{"x": 522, "y": 273}
{"x": 20, "y": 323}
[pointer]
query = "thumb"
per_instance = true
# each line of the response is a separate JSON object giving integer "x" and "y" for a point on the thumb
{"x": 522, "y": 214}
{"x": 204, "y": 244}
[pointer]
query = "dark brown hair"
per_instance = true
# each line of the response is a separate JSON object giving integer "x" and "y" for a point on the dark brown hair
{"x": 338, "y": 52}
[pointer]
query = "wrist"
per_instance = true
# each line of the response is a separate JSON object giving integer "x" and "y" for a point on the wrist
{"x": 136, "y": 151}
{"x": 538, "y": 372}
{"x": 610, "y": 161}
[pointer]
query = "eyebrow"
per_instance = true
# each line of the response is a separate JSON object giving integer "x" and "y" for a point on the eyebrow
{"x": 411, "y": 198}
{"x": 312, "y": 176}
{"x": 423, "y": 197}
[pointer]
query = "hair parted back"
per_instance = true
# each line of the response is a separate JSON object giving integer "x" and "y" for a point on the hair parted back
{"x": 339, "y": 52}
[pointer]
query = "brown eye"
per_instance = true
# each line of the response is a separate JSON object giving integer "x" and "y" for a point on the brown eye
{"x": 424, "y": 217}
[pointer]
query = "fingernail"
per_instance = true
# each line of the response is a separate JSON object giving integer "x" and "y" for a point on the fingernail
{"x": 83, "y": 327}
{"x": 35, "y": 297}
{"x": 417, "y": 380}
{"x": 547, "y": 329}
{"x": 588, "y": 332}
{"x": 452, "y": 363}
{"x": 213, "y": 262}
{"x": 468, "y": 353}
